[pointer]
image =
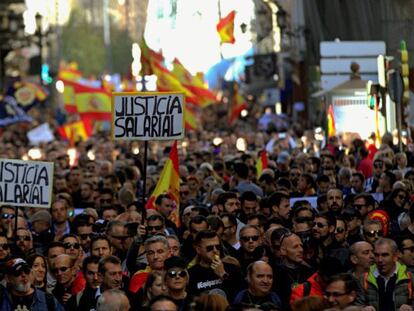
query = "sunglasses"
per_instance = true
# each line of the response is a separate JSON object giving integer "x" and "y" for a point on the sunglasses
{"x": 358, "y": 206}
{"x": 176, "y": 273}
{"x": 121, "y": 237}
{"x": 71, "y": 245}
{"x": 402, "y": 197}
{"x": 210, "y": 248}
{"x": 410, "y": 248}
{"x": 372, "y": 234}
{"x": 26, "y": 270}
{"x": 5, "y": 246}
{"x": 8, "y": 216}
{"x": 23, "y": 238}
{"x": 246, "y": 239}
{"x": 61, "y": 269}
{"x": 319, "y": 225}
{"x": 339, "y": 230}
{"x": 151, "y": 228}
{"x": 84, "y": 236}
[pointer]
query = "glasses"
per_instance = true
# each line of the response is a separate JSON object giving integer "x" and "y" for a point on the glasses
{"x": 8, "y": 216}
{"x": 71, "y": 245}
{"x": 373, "y": 233}
{"x": 26, "y": 270}
{"x": 358, "y": 206}
{"x": 284, "y": 236}
{"x": 23, "y": 238}
{"x": 84, "y": 236}
{"x": 246, "y": 239}
{"x": 61, "y": 269}
{"x": 176, "y": 273}
{"x": 334, "y": 294}
{"x": 210, "y": 248}
{"x": 339, "y": 230}
{"x": 121, "y": 237}
{"x": 5, "y": 246}
{"x": 409, "y": 248}
{"x": 156, "y": 228}
{"x": 319, "y": 225}
{"x": 402, "y": 197}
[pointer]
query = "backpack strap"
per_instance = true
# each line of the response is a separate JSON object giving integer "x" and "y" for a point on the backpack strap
{"x": 306, "y": 288}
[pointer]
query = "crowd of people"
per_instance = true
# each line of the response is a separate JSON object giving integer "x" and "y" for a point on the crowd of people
{"x": 320, "y": 228}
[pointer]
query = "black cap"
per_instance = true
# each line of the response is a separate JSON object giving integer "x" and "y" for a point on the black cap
{"x": 175, "y": 262}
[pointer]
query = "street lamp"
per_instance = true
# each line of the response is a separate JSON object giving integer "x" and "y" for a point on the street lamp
{"x": 39, "y": 34}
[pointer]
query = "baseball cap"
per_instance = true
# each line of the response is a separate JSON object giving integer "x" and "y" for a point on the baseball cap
{"x": 41, "y": 216}
{"x": 283, "y": 157}
{"x": 16, "y": 265}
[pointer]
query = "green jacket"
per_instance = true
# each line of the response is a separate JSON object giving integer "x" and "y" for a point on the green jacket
{"x": 403, "y": 293}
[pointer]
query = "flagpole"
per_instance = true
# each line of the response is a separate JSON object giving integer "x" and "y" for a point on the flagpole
{"x": 144, "y": 173}
{"x": 219, "y": 14}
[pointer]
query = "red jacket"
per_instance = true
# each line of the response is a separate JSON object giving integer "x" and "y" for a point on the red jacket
{"x": 315, "y": 289}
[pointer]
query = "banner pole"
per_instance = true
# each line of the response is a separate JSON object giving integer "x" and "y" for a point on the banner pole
{"x": 144, "y": 173}
{"x": 16, "y": 212}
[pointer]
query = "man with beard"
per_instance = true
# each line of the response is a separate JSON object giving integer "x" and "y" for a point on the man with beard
{"x": 335, "y": 201}
{"x": 259, "y": 291}
{"x": 323, "y": 233}
{"x": 20, "y": 295}
{"x": 291, "y": 270}
{"x": 281, "y": 207}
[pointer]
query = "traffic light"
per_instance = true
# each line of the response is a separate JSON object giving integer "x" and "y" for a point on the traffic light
{"x": 46, "y": 78}
{"x": 405, "y": 70}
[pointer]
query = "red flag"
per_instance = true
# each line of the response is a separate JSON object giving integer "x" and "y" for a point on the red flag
{"x": 148, "y": 58}
{"x": 237, "y": 104}
{"x": 331, "y": 122}
{"x": 169, "y": 182}
{"x": 225, "y": 28}
{"x": 75, "y": 131}
{"x": 261, "y": 163}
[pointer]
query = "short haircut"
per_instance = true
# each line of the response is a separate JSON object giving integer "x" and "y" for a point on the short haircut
{"x": 198, "y": 220}
{"x": 108, "y": 259}
{"x": 390, "y": 242}
{"x": 249, "y": 227}
{"x": 69, "y": 235}
{"x": 113, "y": 302}
{"x": 87, "y": 261}
{"x": 232, "y": 219}
{"x": 223, "y": 197}
{"x": 203, "y": 235}
{"x": 160, "y": 298}
{"x": 156, "y": 239}
{"x": 351, "y": 284}
{"x": 241, "y": 169}
{"x": 329, "y": 217}
{"x": 114, "y": 223}
{"x": 161, "y": 197}
{"x": 53, "y": 245}
{"x": 248, "y": 196}
{"x": 401, "y": 238}
{"x": 98, "y": 237}
{"x": 276, "y": 197}
{"x": 156, "y": 217}
{"x": 360, "y": 176}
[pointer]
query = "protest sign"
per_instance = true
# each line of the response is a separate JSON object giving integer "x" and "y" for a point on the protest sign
{"x": 148, "y": 116}
{"x": 26, "y": 183}
{"x": 40, "y": 134}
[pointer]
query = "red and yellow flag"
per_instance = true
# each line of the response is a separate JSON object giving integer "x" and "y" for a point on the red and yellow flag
{"x": 69, "y": 73}
{"x": 261, "y": 163}
{"x": 169, "y": 182}
{"x": 331, "y": 122}
{"x": 225, "y": 28}
{"x": 237, "y": 104}
{"x": 76, "y": 131}
{"x": 88, "y": 102}
{"x": 148, "y": 58}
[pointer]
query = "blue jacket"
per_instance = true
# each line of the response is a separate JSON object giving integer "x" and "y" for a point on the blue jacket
{"x": 39, "y": 301}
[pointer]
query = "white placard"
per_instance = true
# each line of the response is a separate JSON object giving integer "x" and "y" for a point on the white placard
{"x": 26, "y": 183}
{"x": 40, "y": 134}
{"x": 148, "y": 116}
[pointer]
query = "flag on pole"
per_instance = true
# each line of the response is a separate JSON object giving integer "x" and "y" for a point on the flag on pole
{"x": 169, "y": 183}
{"x": 76, "y": 131}
{"x": 225, "y": 28}
{"x": 331, "y": 122}
{"x": 148, "y": 58}
{"x": 237, "y": 104}
{"x": 69, "y": 72}
{"x": 88, "y": 102}
{"x": 261, "y": 163}
{"x": 377, "y": 130}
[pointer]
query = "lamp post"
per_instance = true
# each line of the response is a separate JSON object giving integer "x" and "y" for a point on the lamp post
{"x": 39, "y": 34}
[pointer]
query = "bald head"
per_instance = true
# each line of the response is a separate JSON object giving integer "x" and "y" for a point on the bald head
{"x": 260, "y": 278}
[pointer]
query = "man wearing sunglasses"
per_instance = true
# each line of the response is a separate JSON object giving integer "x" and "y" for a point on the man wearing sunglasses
{"x": 251, "y": 246}
{"x": 406, "y": 247}
{"x": 4, "y": 248}
{"x": 7, "y": 214}
{"x": 65, "y": 275}
{"x": 20, "y": 294}
{"x": 210, "y": 271}
{"x": 341, "y": 291}
{"x": 24, "y": 242}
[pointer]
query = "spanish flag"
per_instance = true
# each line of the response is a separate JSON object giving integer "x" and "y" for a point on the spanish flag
{"x": 76, "y": 131}
{"x": 331, "y": 122}
{"x": 190, "y": 119}
{"x": 148, "y": 58}
{"x": 70, "y": 73}
{"x": 88, "y": 102}
{"x": 225, "y": 28}
{"x": 237, "y": 104}
{"x": 261, "y": 163}
{"x": 169, "y": 182}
